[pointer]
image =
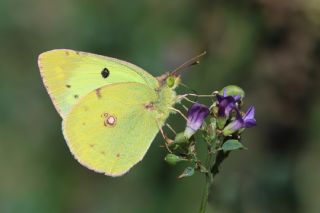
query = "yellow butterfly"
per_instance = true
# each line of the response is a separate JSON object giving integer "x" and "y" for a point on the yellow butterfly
{"x": 111, "y": 109}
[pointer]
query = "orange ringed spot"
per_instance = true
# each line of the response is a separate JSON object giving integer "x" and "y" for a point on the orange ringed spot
{"x": 110, "y": 121}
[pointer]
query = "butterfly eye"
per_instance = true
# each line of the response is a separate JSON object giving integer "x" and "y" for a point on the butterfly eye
{"x": 170, "y": 81}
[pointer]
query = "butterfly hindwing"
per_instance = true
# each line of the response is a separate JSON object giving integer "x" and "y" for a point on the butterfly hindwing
{"x": 69, "y": 75}
{"x": 111, "y": 128}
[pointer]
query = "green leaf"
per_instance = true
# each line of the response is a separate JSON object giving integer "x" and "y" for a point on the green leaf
{"x": 189, "y": 171}
{"x": 232, "y": 144}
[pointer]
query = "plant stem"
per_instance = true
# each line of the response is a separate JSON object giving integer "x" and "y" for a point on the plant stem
{"x": 213, "y": 171}
{"x": 205, "y": 195}
{"x": 209, "y": 180}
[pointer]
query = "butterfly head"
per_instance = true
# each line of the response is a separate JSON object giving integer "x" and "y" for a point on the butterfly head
{"x": 172, "y": 79}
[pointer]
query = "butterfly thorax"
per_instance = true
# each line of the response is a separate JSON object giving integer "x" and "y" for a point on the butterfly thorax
{"x": 166, "y": 98}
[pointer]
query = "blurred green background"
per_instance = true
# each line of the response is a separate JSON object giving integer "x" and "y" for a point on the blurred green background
{"x": 271, "y": 48}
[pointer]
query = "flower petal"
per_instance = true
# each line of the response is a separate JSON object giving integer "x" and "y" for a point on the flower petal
{"x": 249, "y": 120}
{"x": 226, "y": 105}
{"x": 232, "y": 127}
{"x": 246, "y": 121}
{"x": 250, "y": 113}
{"x": 196, "y": 115}
{"x": 250, "y": 123}
{"x": 237, "y": 97}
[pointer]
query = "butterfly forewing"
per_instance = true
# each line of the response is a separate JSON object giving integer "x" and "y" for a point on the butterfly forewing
{"x": 70, "y": 75}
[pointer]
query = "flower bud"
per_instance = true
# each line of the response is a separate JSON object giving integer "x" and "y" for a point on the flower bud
{"x": 240, "y": 122}
{"x": 232, "y": 90}
{"x": 196, "y": 115}
{"x": 227, "y": 104}
{"x": 212, "y": 128}
{"x": 173, "y": 159}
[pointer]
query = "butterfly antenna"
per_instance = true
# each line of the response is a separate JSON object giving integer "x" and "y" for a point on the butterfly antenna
{"x": 189, "y": 63}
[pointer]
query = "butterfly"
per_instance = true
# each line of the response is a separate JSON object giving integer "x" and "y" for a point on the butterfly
{"x": 111, "y": 110}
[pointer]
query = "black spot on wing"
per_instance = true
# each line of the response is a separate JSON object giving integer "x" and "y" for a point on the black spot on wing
{"x": 105, "y": 73}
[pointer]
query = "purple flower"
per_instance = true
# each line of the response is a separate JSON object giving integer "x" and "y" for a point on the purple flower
{"x": 245, "y": 121}
{"x": 196, "y": 115}
{"x": 226, "y": 104}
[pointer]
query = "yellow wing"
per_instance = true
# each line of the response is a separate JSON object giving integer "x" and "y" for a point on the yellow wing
{"x": 111, "y": 128}
{"x": 69, "y": 75}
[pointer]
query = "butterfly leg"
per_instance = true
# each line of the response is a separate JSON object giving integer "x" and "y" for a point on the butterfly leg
{"x": 170, "y": 127}
{"x": 168, "y": 141}
{"x": 187, "y": 99}
{"x": 184, "y": 96}
{"x": 178, "y": 111}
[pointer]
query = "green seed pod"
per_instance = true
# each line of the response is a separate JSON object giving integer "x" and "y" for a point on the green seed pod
{"x": 232, "y": 90}
{"x": 180, "y": 138}
{"x": 173, "y": 159}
